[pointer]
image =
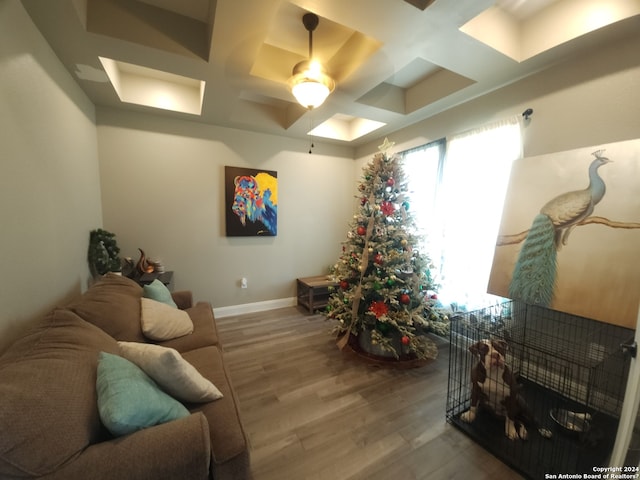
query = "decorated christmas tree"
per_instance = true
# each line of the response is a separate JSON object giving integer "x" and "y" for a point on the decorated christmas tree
{"x": 385, "y": 297}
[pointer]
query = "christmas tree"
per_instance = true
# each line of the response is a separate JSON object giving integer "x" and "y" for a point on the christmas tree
{"x": 385, "y": 296}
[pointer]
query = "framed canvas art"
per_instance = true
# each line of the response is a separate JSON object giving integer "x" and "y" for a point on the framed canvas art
{"x": 569, "y": 238}
{"x": 251, "y": 202}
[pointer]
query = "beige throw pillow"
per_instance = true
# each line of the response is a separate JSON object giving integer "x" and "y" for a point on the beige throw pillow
{"x": 162, "y": 322}
{"x": 170, "y": 371}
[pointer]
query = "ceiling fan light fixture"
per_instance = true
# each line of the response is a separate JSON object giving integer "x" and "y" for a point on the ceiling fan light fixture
{"x": 310, "y": 83}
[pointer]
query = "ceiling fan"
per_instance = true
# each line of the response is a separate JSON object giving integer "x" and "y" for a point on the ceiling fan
{"x": 310, "y": 83}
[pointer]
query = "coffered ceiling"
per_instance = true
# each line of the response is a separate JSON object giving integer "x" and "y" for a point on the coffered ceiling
{"x": 395, "y": 62}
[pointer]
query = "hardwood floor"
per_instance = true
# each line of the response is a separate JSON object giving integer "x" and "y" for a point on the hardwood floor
{"x": 314, "y": 412}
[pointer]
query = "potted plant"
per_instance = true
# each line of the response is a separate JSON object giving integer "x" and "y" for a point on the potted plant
{"x": 103, "y": 255}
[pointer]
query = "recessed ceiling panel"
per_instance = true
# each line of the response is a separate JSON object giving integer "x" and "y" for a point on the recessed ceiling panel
{"x": 196, "y": 9}
{"x": 524, "y": 33}
{"x": 274, "y": 63}
{"x": 351, "y": 55}
{"x": 148, "y": 25}
{"x": 254, "y": 109}
{"x": 385, "y": 96}
{"x": 154, "y": 88}
{"x": 412, "y": 73}
{"x": 345, "y": 127}
{"x": 415, "y": 86}
{"x": 434, "y": 87}
{"x": 523, "y": 9}
{"x": 340, "y": 49}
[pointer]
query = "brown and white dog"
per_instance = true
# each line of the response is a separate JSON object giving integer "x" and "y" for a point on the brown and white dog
{"x": 494, "y": 387}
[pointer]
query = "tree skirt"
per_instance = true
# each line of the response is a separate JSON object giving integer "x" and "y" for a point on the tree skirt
{"x": 405, "y": 361}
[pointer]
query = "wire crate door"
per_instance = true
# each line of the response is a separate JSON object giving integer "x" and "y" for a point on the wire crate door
{"x": 623, "y": 452}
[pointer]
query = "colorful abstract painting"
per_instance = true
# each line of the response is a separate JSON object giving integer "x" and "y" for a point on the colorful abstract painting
{"x": 251, "y": 202}
{"x": 569, "y": 238}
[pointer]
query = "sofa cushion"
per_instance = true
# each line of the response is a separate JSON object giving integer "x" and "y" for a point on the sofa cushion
{"x": 162, "y": 322}
{"x": 128, "y": 400}
{"x": 158, "y": 291}
{"x": 183, "y": 299}
{"x": 48, "y": 411}
{"x": 170, "y": 371}
{"x": 228, "y": 439}
{"x": 204, "y": 330}
{"x": 113, "y": 304}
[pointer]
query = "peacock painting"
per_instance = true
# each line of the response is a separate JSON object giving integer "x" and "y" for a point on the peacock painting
{"x": 570, "y": 233}
{"x": 534, "y": 275}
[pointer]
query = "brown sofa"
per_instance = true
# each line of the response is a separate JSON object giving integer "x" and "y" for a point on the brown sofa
{"x": 49, "y": 420}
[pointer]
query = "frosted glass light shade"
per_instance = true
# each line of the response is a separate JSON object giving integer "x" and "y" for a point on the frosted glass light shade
{"x": 310, "y": 84}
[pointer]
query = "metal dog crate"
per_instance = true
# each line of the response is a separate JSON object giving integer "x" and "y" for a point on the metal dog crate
{"x": 564, "y": 364}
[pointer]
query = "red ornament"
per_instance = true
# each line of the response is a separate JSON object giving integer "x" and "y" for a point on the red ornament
{"x": 405, "y": 340}
{"x": 361, "y": 230}
{"x": 387, "y": 208}
{"x": 378, "y": 259}
{"x": 391, "y": 182}
{"x": 344, "y": 284}
{"x": 379, "y": 308}
{"x": 405, "y": 299}
{"x": 363, "y": 200}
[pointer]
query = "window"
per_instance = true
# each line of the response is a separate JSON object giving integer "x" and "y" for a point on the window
{"x": 457, "y": 202}
{"x": 423, "y": 167}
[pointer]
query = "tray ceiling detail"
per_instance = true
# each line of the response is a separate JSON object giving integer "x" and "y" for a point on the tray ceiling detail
{"x": 415, "y": 86}
{"x": 154, "y": 88}
{"x": 395, "y": 62}
{"x": 521, "y": 34}
{"x": 144, "y": 23}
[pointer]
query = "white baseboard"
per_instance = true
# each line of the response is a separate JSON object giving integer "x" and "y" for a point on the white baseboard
{"x": 221, "y": 312}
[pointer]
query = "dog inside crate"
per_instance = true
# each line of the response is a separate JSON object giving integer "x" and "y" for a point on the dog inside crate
{"x": 569, "y": 372}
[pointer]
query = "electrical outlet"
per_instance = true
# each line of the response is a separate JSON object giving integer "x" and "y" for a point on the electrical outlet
{"x": 243, "y": 282}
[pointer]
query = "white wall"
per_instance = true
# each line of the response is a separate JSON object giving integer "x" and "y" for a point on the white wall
{"x": 587, "y": 100}
{"x": 49, "y": 177}
{"x": 163, "y": 191}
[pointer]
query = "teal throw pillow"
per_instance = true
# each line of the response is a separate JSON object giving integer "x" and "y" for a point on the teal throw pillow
{"x": 159, "y": 292}
{"x": 128, "y": 400}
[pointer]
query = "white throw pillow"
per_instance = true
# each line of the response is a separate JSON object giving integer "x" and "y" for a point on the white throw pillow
{"x": 162, "y": 322}
{"x": 170, "y": 371}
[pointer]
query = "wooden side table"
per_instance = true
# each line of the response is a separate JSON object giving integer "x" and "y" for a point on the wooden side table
{"x": 313, "y": 292}
{"x": 164, "y": 277}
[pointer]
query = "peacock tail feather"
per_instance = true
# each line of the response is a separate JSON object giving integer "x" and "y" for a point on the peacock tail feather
{"x": 534, "y": 275}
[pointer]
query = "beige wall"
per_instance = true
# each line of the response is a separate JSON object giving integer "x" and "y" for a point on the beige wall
{"x": 49, "y": 178}
{"x": 163, "y": 191}
{"x": 585, "y": 101}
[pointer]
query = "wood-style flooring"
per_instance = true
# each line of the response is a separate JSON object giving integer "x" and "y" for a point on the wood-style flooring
{"x": 314, "y": 412}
